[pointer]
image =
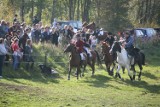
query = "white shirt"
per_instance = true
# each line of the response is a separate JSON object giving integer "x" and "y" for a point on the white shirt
{"x": 3, "y": 50}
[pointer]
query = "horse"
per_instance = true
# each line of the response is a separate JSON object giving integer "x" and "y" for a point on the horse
{"x": 91, "y": 26}
{"x": 92, "y": 60}
{"x": 102, "y": 37}
{"x": 75, "y": 60}
{"x": 124, "y": 60}
{"x": 108, "y": 58}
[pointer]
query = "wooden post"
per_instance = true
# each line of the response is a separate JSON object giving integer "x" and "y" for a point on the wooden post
{"x": 45, "y": 60}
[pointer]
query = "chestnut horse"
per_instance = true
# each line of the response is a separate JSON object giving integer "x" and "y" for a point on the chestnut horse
{"x": 108, "y": 58}
{"x": 92, "y": 26}
{"x": 75, "y": 60}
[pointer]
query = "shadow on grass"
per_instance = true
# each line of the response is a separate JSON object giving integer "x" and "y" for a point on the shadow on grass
{"x": 34, "y": 75}
{"x": 99, "y": 81}
{"x": 151, "y": 88}
{"x": 149, "y": 75}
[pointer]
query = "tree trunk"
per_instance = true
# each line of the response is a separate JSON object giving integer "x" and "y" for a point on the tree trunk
{"x": 22, "y": 11}
{"x": 70, "y": 9}
{"x": 53, "y": 10}
{"x": 39, "y": 9}
{"x": 86, "y": 9}
{"x": 32, "y": 9}
{"x": 78, "y": 11}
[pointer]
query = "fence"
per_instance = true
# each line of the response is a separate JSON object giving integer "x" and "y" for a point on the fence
{"x": 45, "y": 59}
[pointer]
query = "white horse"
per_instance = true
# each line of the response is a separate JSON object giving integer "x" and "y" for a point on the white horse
{"x": 123, "y": 59}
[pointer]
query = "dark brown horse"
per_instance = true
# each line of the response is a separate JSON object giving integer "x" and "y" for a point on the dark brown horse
{"x": 108, "y": 58}
{"x": 75, "y": 60}
{"x": 91, "y": 26}
{"x": 92, "y": 60}
{"x": 102, "y": 37}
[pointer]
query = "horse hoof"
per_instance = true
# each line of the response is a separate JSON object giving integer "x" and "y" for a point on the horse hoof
{"x": 122, "y": 79}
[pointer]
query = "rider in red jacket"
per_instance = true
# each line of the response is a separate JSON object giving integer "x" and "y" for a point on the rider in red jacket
{"x": 79, "y": 44}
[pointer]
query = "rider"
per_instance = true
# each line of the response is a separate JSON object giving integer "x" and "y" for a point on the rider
{"x": 129, "y": 44}
{"x": 79, "y": 45}
{"x": 110, "y": 39}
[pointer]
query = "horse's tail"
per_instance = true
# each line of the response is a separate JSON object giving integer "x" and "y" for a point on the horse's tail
{"x": 98, "y": 58}
{"x": 143, "y": 58}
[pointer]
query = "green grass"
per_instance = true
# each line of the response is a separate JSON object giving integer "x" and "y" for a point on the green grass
{"x": 33, "y": 89}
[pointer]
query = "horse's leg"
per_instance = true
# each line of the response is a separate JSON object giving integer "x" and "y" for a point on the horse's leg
{"x": 129, "y": 74}
{"x": 117, "y": 73}
{"x": 112, "y": 71}
{"x": 78, "y": 72}
{"x": 93, "y": 68}
{"x": 140, "y": 73}
{"x": 123, "y": 69}
{"x": 134, "y": 71}
{"x": 69, "y": 72}
{"x": 84, "y": 67}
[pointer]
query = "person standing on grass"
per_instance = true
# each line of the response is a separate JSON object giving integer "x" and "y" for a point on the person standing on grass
{"x": 16, "y": 53}
{"x": 3, "y": 52}
{"x": 28, "y": 54}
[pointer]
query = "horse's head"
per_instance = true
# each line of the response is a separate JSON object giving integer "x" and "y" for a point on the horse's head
{"x": 91, "y": 26}
{"x": 116, "y": 47}
{"x": 69, "y": 47}
{"x": 105, "y": 48}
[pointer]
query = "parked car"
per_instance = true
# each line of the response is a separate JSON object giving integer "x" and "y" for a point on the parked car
{"x": 75, "y": 24}
{"x": 138, "y": 33}
{"x": 157, "y": 30}
{"x": 148, "y": 32}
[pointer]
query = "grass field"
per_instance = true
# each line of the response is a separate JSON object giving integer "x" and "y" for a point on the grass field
{"x": 33, "y": 89}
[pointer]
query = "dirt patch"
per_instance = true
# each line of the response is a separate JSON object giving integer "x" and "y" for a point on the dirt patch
{"x": 14, "y": 87}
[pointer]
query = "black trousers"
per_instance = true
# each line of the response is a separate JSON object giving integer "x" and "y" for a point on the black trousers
{"x": 1, "y": 63}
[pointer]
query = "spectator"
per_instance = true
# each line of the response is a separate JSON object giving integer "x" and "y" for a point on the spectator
{"x": 16, "y": 53}
{"x": 3, "y": 29}
{"x": 35, "y": 20}
{"x": 3, "y": 52}
{"x": 54, "y": 36}
{"x": 93, "y": 42}
{"x": 22, "y": 41}
{"x": 15, "y": 18}
{"x": 54, "y": 25}
{"x": 7, "y": 43}
{"x": 46, "y": 34}
{"x": 28, "y": 54}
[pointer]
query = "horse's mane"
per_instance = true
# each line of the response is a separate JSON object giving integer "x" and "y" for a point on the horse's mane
{"x": 91, "y": 26}
{"x": 105, "y": 44}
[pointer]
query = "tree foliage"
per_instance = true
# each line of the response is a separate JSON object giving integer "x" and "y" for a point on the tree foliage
{"x": 112, "y": 15}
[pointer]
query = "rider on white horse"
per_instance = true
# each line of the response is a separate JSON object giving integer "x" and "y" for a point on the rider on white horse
{"x": 129, "y": 45}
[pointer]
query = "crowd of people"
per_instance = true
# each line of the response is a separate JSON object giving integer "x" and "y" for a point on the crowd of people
{"x": 16, "y": 39}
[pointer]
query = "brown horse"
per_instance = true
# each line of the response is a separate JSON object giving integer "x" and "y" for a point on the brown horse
{"x": 91, "y": 26}
{"x": 102, "y": 37}
{"x": 75, "y": 60}
{"x": 108, "y": 58}
{"x": 92, "y": 60}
